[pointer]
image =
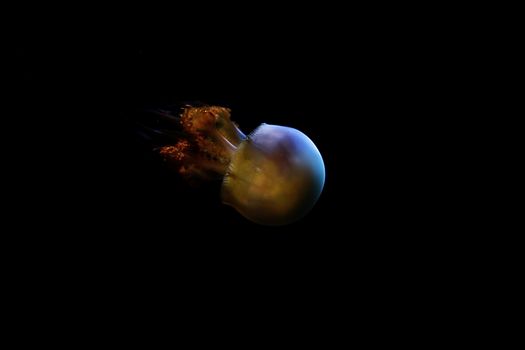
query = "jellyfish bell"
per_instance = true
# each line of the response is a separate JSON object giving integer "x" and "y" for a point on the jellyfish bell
{"x": 273, "y": 176}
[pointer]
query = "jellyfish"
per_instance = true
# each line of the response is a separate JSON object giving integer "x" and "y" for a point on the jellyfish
{"x": 272, "y": 176}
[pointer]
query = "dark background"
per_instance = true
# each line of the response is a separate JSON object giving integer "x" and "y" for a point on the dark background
{"x": 93, "y": 222}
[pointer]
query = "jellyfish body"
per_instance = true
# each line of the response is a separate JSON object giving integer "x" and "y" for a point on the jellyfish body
{"x": 273, "y": 176}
